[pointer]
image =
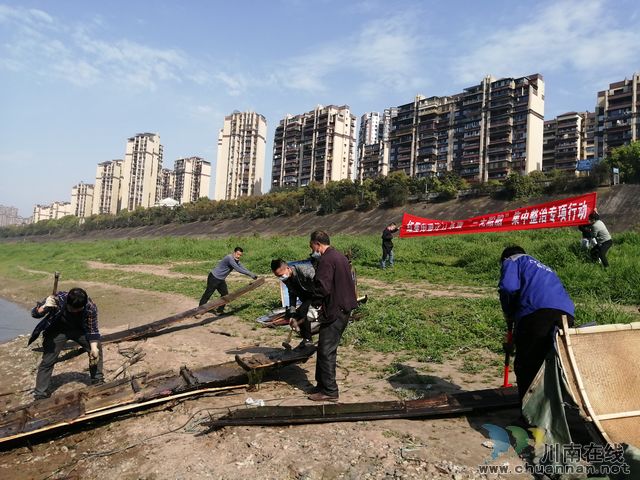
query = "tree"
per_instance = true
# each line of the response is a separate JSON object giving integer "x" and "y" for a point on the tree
{"x": 627, "y": 159}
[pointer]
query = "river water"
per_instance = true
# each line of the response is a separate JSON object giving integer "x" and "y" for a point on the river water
{"x": 14, "y": 320}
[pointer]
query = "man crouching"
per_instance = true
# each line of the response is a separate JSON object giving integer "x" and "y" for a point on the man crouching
{"x": 67, "y": 316}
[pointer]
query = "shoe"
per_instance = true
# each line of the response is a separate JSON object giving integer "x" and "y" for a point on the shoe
{"x": 322, "y": 397}
{"x": 97, "y": 381}
{"x": 40, "y": 397}
{"x": 219, "y": 310}
{"x": 315, "y": 389}
{"x": 304, "y": 344}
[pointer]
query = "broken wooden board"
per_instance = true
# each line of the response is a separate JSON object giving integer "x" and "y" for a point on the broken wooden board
{"x": 435, "y": 406}
{"x": 149, "y": 328}
{"x": 121, "y": 396}
{"x": 274, "y": 359}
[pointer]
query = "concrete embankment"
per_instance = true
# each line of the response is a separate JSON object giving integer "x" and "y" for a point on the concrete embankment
{"x": 619, "y": 207}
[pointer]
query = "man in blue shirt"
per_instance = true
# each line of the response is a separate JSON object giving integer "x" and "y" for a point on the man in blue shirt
{"x": 218, "y": 275}
{"x": 533, "y": 300}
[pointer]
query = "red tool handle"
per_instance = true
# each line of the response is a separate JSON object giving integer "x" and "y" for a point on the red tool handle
{"x": 505, "y": 381}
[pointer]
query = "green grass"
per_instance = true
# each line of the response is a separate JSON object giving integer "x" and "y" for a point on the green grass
{"x": 397, "y": 319}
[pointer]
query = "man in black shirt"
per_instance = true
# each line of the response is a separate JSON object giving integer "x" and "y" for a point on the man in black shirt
{"x": 387, "y": 244}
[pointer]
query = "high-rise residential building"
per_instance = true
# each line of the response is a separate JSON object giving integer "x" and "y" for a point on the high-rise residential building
{"x": 106, "y": 192}
{"x": 41, "y": 213}
{"x": 168, "y": 183}
{"x": 193, "y": 177}
{"x": 241, "y": 152}
{"x": 9, "y": 216}
{"x": 617, "y": 115}
{"x": 373, "y": 144}
{"x": 567, "y": 139}
{"x": 51, "y": 212}
{"x": 315, "y": 146}
{"x": 82, "y": 200}
{"x": 141, "y": 177}
{"x": 485, "y": 132}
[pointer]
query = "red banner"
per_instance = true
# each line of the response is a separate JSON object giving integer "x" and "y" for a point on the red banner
{"x": 569, "y": 212}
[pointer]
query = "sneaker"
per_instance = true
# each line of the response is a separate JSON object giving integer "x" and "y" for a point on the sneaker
{"x": 38, "y": 396}
{"x": 97, "y": 381}
{"x": 219, "y": 310}
{"x": 322, "y": 397}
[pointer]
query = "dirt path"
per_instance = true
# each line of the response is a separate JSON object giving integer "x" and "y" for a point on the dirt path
{"x": 160, "y": 270}
{"x": 425, "y": 289}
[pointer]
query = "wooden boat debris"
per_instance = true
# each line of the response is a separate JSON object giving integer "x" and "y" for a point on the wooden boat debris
{"x": 439, "y": 405}
{"x": 140, "y": 391}
{"x": 143, "y": 331}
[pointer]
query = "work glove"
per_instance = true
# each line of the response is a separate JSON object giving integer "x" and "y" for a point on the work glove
{"x": 51, "y": 302}
{"x": 313, "y": 313}
{"x": 94, "y": 353}
{"x": 508, "y": 348}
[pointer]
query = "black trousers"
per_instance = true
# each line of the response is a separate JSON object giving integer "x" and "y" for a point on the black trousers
{"x": 214, "y": 284}
{"x": 327, "y": 353}
{"x": 52, "y": 344}
{"x": 533, "y": 341}
{"x": 600, "y": 252}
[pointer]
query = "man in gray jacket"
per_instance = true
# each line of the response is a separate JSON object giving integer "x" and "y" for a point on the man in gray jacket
{"x": 602, "y": 238}
{"x": 299, "y": 280}
{"x": 217, "y": 277}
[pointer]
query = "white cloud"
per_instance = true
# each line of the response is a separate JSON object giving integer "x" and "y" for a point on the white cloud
{"x": 386, "y": 52}
{"x": 575, "y": 35}
{"x": 45, "y": 46}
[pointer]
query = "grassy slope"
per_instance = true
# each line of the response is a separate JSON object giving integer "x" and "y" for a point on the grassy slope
{"x": 429, "y": 328}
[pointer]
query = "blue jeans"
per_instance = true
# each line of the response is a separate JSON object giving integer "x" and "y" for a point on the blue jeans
{"x": 387, "y": 253}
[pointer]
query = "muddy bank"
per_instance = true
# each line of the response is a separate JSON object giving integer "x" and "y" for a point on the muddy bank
{"x": 164, "y": 442}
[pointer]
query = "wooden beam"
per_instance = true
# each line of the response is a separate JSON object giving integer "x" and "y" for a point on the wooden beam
{"x": 149, "y": 328}
{"x": 435, "y": 406}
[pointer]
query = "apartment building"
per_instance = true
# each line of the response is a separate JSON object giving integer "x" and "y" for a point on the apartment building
{"x": 241, "y": 153}
{"x": 617, "y": 115}
{"x": 373, "y": 144}
{"x": 193, "y": 177}
{"x": 168, "y": 181}
{"x": 51, "y": 212}
{"x": 9, "y": 216}
{"x": 568, "y": 139}
{"x": 82, "y": 200}
{"x": 318, "y": 145}
{"x": 484, "y": 132}
{"x": 107, "y": 188}
{"x": 141, "y": 172}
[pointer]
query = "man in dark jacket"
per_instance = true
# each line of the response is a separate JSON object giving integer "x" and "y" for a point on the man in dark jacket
{"x": 335, "y": 292}
{"x": 299, "y": 278}
{"x": 218, "y": 275}
{"x": 533, "y": 300}
{"x": 387, "y": 244}
{"x": 66, "y": 316}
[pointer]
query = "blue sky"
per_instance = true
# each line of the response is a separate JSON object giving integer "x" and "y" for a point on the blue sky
{"x": 78, "y": 78}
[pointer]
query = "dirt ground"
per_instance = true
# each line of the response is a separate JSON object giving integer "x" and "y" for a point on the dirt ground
{"x": 167, "y": 441}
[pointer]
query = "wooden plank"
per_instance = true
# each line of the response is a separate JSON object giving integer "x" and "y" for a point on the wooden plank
{"x": 119, "y": 396}
{"x": 275, "y": 358}
{"x": 149, "y": 328}
{"x": 435, "y": 406}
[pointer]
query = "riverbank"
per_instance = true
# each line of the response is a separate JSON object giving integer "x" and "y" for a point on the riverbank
{"x": 163, "y": 442}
